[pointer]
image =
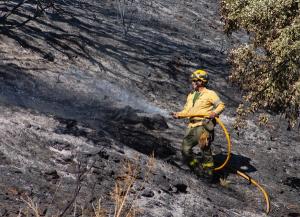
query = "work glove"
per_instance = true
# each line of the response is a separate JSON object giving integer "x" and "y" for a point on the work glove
{"x": 212, "y": 115}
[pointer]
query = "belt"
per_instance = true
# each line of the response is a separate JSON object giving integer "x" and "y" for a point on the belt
{"x": 203, "y": 121}
{"x": 196, "y": 121}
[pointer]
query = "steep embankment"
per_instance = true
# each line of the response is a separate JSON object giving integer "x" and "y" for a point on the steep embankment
{"x": 78, "y": 97}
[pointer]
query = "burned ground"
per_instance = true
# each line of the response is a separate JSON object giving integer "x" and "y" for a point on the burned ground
{"x": 78, "y": 98}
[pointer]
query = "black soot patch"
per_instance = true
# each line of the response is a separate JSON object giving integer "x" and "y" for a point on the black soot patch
{"x": 293, "y": 214}
{"x": 181, "y": 188}
{"x": 293, "y": 182}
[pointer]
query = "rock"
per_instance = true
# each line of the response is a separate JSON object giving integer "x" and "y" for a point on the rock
{"x": 49, "y": 56}
{"x": 51, "y": 174}
{"x": 148, "y": 193}
{"x": 181, "y": 188}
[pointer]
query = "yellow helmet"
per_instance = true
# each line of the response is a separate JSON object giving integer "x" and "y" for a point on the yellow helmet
{"x": 200, "y": 75}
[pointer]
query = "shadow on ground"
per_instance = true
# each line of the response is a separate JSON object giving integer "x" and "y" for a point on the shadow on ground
{"x": 236, "y": 162}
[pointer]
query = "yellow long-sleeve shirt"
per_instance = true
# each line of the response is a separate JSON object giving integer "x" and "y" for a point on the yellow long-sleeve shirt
{"x": 207, "y": 102}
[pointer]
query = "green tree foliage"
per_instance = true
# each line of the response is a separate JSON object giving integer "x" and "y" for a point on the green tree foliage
{"x": 267, "y": 67}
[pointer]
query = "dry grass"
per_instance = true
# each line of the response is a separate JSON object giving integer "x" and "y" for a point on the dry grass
{"x": 124, "y": 184}
{"x": 99, "y": 211}
{"x": 225, "y": 182}
{"x": 124, "y": 205}
{"x": 32, "y": 207}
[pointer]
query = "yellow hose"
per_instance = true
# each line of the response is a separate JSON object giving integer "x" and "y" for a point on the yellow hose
{"x": 228, "y": 145}
{"x": 267, "y": 199}
{"x": 257, "y": 185}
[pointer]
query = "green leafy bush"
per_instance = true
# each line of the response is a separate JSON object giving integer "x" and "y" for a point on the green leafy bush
{"x": 267, "y": 67}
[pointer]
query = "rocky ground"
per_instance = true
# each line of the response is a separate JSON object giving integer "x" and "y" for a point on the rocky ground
{"x": 79, "y": 98}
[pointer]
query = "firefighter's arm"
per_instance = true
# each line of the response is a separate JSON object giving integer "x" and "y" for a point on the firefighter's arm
{"x": 218, "y": 110}
{"x": 219, "y": 106}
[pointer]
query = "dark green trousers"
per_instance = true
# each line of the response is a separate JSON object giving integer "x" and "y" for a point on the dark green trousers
{"x": 190, "y": 140}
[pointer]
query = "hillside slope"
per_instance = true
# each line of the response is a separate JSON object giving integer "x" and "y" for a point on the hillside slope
{"x": 78, "y": 97}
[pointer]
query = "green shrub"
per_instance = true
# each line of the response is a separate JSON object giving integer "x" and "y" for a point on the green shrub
{"x": 267, "y": 67}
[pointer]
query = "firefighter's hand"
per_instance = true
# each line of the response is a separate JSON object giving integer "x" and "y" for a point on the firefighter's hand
{"x": 174, "y": 115}
{"x": 212, "y": 115}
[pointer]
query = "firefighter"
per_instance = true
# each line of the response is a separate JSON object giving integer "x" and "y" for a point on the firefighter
{"x": 200, "y": 130}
